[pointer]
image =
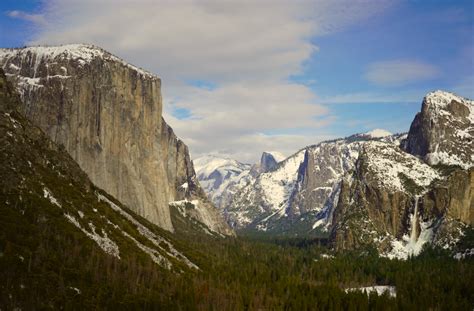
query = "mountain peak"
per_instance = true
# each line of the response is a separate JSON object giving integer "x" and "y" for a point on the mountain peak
{"x": 442, "y": 132}
{"x": 443, "y": 98}
{"x": 278, "y": 156}
{"x": 207, "y": 164}
{"x": 269, "y": 161}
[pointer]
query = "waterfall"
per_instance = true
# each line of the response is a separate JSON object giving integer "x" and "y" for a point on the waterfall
{"x": 414, "y": 221}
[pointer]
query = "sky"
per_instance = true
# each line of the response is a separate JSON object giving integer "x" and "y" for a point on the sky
{"x": 243, "y": 77}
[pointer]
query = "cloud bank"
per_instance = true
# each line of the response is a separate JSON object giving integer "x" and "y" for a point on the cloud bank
{"x": 245, "y": 49}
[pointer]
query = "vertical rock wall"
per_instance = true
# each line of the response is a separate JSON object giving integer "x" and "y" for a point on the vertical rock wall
{"x": 108, "y": 115}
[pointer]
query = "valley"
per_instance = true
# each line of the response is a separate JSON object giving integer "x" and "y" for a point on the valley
{"x": 103, "y": 207}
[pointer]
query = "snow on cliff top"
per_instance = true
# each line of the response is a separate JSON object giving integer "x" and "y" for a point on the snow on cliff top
{"x": 84, "y": 53}
{"x": 387, "y": 162}
{"x": 454, "y": 148}
{"x": 378, "y": 133}
{"x": 443, "y": 98}
{"x": 439, "y": 100}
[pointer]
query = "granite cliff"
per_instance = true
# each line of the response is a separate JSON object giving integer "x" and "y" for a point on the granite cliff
{"x": 108, "y": 116}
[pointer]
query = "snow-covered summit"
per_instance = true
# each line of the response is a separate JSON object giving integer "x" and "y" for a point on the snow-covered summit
{"x": 444, "y": 98}
{"x": 82, "y": 53}
{"x": 220, "y": 176}
{"x": 378, "y": 133}
{"x": 74, "y": 51}
{"x": 207, "y": 164}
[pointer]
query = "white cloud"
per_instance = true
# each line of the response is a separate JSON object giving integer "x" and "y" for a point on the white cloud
{"x": 374, "y": 98}
{"x": 247, "y": 49}
{"x": 231, "y": 118}
{"x": 38, "y": 19}
{"x": 400, "y": 72}
{"x": 251, "y": 146}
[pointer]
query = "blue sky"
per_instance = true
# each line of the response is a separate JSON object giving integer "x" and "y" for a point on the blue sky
{"x": 440, "y": 33}
{"x": 242, "y": 78}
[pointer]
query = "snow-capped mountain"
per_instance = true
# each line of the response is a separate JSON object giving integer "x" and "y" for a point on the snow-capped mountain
{"x": 395, "y": 192}
{"x": 220, "y": 177}
{"x": 398, "y": 201}
{"x": 299, "y": 191}
{"x": 299, "y": 194}
{"x": 443, "y": 132}
{"x": 268, "y": 161}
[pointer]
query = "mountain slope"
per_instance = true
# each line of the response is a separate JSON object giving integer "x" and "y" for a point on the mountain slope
{"x": 108, "y": 115}
{"x": 53, "y": 219}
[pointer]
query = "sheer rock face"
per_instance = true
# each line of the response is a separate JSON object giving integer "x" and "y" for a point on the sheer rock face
{"x": 455, "y": 197}
{"x": 370, "y": 213}
{"x": 107, "y": 114}
{"x": 267, "y": 162}
{"x": 320, "y": 173}
{"x": 443, "y": 132}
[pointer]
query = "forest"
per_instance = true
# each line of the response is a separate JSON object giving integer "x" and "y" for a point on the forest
{"x": 61, "y": 269}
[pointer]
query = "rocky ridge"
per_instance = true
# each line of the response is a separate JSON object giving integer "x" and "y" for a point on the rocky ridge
{"x": 303, "y": 186}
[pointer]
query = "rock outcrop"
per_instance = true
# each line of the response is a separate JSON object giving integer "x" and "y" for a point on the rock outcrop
{"x": 108, "y": 115}
{"x": 267, "y": 162}
{"x": 443, "y": 132}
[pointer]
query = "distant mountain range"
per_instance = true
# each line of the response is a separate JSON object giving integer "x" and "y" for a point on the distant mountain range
{"x": 394, "y": 192}
{"x": 367, "y": 189}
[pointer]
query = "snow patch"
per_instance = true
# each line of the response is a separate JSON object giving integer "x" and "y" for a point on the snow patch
{"x": 47, "y": 194}
{"x": 388, "y": 163}
{"x": 379, "y": 289}
{"x": 104, "y": 242}
{"x": 144, "y": 231}
{"x": 154, "y": 254}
